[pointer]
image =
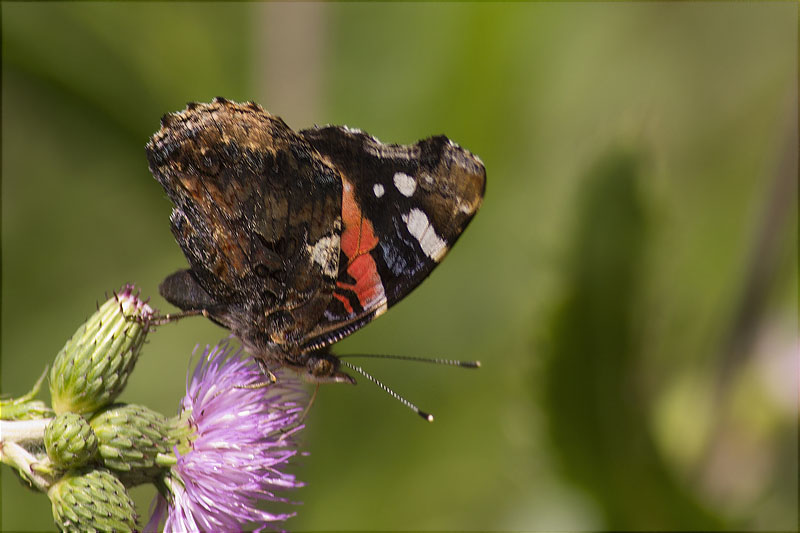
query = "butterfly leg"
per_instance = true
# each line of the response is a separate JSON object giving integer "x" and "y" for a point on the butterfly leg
{"x": 160, "y": 320}
{"x": 271, "y": 378}
{"x": 310, "y": 403}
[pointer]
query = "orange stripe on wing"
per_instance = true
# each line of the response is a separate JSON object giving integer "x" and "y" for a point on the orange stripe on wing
{"x": 358, "y": 239}
{"x": 345, "y": 302}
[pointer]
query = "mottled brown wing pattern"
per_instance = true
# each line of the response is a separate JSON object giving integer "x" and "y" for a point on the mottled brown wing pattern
{"x": 257, "y": 214}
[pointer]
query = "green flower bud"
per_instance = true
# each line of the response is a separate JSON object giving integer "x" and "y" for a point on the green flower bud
{"x": 131, "y": 437}
{"x": 25, "y": 407}
{"x": 93, "y": 366}
{"x": 92, "y": 500}
{"x": 70, "y": 441}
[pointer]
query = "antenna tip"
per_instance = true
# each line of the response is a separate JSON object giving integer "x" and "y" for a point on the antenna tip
{"x": 477, "y": 364}
{"x": 426, "y": 416}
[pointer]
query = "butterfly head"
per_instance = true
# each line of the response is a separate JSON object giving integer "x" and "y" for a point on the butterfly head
{"x": 324, "y": 368}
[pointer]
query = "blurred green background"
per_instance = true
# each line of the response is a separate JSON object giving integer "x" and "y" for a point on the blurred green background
{"x": 630, "y": 283}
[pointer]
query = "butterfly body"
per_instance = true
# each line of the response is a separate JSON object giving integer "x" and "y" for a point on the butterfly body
{"x": 297, "y": 239}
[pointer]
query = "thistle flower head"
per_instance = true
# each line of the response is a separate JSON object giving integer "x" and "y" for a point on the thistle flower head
{"x": 235, "y": 439}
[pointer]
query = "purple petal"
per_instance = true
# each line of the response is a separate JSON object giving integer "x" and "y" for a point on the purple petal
{"x": 243, "y": 437}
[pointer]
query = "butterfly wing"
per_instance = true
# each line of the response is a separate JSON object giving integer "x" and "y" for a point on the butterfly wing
{"x": 257, "y": 214}
{"x": 403, "y": 208}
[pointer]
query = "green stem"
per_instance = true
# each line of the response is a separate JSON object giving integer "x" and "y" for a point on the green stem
{"x": 18, "y": 457}
{"x": 22, "y": 430}
{"x": 12, "y": 453}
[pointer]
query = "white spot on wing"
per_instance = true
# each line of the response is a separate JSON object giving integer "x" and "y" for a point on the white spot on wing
{"x": 378, "y": 190}
{"x": 420, "y": 228}
{"x": 325, "y": 253}
{"x": 405, "y": 184}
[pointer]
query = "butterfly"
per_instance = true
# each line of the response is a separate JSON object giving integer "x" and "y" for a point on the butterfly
{"x": 297, "y": 239}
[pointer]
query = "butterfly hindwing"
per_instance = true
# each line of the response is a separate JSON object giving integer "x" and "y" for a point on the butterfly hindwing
{"x": 403, "y": 207}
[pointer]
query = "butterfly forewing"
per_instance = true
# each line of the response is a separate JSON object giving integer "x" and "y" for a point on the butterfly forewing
{"x": 403, "y": 207}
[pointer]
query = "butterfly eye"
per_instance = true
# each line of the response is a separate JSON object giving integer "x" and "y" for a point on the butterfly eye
{"x": 322, "y": 367}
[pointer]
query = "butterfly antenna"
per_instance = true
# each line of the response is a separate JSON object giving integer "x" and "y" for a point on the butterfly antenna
{"x": 432, "y": 360}
{"x": 390, "y": 392}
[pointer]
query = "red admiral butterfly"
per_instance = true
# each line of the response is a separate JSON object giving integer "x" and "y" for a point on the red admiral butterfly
{"x": 297, "y": 239}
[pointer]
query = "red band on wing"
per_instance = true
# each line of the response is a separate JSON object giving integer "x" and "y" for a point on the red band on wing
{"x": 358, "y": 239}
{"x": 345, "y": 302}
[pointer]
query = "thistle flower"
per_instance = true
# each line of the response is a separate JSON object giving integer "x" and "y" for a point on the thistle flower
{"x": 235, "y": 436}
